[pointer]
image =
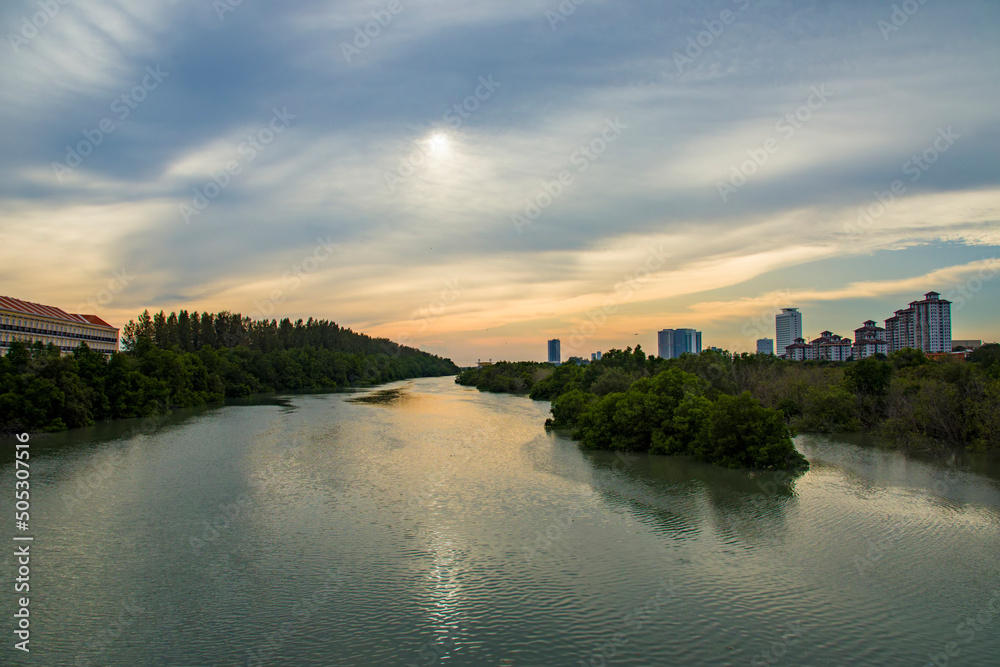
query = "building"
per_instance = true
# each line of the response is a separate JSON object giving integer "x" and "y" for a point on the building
{"x": 967, "y": 344}
{"x": 954, "y": 357}
{"x": 870, "y": 340}
{"x": 788, "y": 328}
{"x": 924, "y": 325}
{"x": 30, "y": 322}
{"x": 899, "y": 330}
{"x": 932, "y": 323}
{"x": 831, "y": 347}
{"x": 765, "y": 346}
{"x": 595, "y": 356}
{"x": 828, "y": 347}
{"x": 799, "y": 350}
{"x": 672, "y": 343}
{"x": 555, "y": 351}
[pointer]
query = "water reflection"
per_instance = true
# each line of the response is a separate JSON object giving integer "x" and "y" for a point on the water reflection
{"x": 676, "y": 496}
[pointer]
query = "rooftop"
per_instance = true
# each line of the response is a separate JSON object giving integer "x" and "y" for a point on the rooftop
{"x": 41, "y": 310}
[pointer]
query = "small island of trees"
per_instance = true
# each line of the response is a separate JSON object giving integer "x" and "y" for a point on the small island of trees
{"x": 742, "y": 410}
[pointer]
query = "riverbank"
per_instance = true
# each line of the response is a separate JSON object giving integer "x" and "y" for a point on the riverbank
{"x": 189, "y": 361}
{"x": 905, "y": 399}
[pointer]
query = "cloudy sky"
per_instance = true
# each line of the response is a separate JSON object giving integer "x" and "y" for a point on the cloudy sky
{"x": 477, "y": 177}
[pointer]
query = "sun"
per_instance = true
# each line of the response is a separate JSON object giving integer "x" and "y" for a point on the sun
{"x": 439, "y": 143}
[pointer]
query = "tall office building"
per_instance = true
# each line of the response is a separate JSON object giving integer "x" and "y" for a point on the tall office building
{"x": 765, "y": 346}
{"x": 924, "y": 325}
{"x": 30, "y": 322}
{"x": 788, "y": 328}
{"x": 672, "y": 343}
{"x": 555, "y": 351}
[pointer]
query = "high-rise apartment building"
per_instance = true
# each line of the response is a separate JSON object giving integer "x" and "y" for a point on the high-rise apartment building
{"x": 555, "y": 351}
{"x": 672, "y": 343}
{"x": 788, "y": 328}
{"x": 765, "y": 346}
{"x": 924, "y": 325}
{"x": 870, "y": 340}
{"x": 932, "y": 323}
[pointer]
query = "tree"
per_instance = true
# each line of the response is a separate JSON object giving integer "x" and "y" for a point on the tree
{"x": 908, "y": 357}
{"x": 741, "y": 433}
{"x": 869, "y": 377}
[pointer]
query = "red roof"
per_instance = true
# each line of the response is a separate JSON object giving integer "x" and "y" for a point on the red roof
{"x": 29, "y": 308}
{"x": 94, "y": 319}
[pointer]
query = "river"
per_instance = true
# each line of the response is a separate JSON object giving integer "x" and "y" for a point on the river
{"x": 444, "y": 526}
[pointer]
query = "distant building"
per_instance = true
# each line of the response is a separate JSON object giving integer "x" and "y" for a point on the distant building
{"x": 799, "y": 350}
{"x": 899, "y": 330}
{"x": 870, "y": 340}
{"x": 484, "y": 364}
{"x": 672, "y": 343}
{"x": 828, "y": 347}
{"x": 765, "y": 346}
{"x": 31, "y": 322}
{"x": 787, "y": 328}
{"x": 596, "y": 356}
{"x": 967, "y": 344}
{"x": 924, "y": 325}
{"x": 932, "y": 323}
{"x": 555, "y": 351}
{"x": 954, "y": 357}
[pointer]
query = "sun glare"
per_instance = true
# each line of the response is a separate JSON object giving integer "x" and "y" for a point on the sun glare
{"x": 439, "y": 143}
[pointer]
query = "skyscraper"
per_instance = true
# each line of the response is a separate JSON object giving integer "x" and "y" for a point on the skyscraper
{"x": 765, "y": 346}
{"x": 932, "y": 323}
{"x": 672, "y": 343}
{"x": 788, "y": 327}
{"x": 925, "y": 325}
{"x": 555, "y": 351}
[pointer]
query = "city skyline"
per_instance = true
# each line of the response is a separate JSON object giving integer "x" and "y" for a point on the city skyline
{"x": 418, "y": 186}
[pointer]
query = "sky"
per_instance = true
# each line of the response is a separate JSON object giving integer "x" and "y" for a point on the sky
{"x": 475, "y": 178}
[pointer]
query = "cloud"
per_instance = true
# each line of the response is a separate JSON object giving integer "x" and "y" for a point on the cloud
{"x": 407, "y": 214}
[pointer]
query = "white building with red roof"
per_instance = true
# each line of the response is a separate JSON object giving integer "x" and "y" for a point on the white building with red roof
{"x": 30, "y": 322}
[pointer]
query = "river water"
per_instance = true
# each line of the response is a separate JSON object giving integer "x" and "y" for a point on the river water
{"x": 446, "y": 526}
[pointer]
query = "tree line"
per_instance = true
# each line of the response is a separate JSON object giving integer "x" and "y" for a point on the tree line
{"x": 626, "y": 401}
{"x": 186, "y": 360}
{"x": 904, "y": 398}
